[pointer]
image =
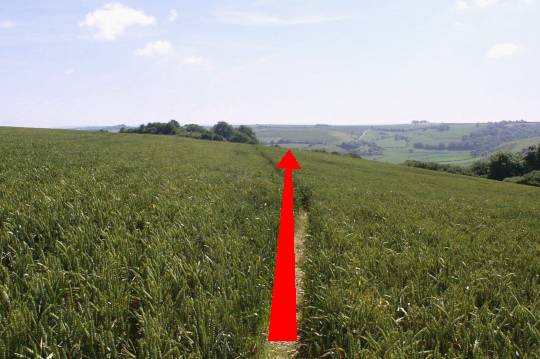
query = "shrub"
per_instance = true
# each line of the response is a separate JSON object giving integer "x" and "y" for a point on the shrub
{"x": 222, "y": 131}
{"x": 240, "y": 137}
{"x": 531, "y": 179}
{"x": 480, "y": 168}
{"x": 531, "y": 158}
{"x": 434, "y": 166}
{"x": 504, "y": 164}
{"x": 248, "y": 131}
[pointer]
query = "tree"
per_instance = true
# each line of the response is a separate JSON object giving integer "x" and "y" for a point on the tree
{"x": 531, "y": 158}
{"x": 502, "y": 165}
{"x": 168, "y": 129}
{"x": 174, "y": 123}
{"x": 240, "y": 137}
{"x": 224, "y": 130}
{"x": 248, "y": 131}
{"x": 195, "y": 128}
{"x": 480, "y": 168}
{"x": 538, "y": 157}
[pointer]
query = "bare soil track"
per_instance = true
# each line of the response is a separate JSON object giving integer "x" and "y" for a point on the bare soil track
{"x": 283, "y": 350}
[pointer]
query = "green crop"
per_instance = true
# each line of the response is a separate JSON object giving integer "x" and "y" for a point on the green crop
{"x": 406, "y": 262}
{"x": 125, "y": 245}
{"x": 130, "y": 245}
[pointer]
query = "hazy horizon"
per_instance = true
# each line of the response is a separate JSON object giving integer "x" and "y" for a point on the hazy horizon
{"x": 102, "y": 63}
{"x": 261, "y": 124}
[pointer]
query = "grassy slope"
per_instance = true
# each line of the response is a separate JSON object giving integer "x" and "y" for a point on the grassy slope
{"x": 133, "y": 244}
{"x": 517, "y": 146}
{"x": 155, "y": 245}
{"x": 414, "y": 263}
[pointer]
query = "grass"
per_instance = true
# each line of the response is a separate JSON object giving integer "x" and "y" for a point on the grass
{"x": 450, "y": 157}
{"x": 155, "y": 246}
{"x": 301, "y": 134}
{"x": 412, "y": 263}
{"x": 517, "y": 146}
{"x": 128, "y": 245}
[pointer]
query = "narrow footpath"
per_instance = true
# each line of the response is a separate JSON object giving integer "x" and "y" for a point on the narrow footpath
{"x": 285, "y": 350}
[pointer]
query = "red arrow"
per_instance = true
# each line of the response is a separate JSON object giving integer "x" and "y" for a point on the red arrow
{"x": 283, "y": 326}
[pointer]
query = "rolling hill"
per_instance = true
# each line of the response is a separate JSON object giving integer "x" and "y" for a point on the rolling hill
{"x": 430, "y": 142}
{"x": 161, "y": 246}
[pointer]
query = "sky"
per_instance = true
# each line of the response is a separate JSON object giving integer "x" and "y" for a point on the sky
{"x": 67, "y": 63}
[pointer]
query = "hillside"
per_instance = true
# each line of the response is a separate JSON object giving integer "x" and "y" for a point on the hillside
{"x": 429, "y": 142}
{"x": 163, "y": 246}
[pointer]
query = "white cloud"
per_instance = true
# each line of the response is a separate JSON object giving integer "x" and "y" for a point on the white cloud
{"x": 112, "y": 20}
{"x": 156, "y": 48}
{"x": 173, "y": 15}
{"x": 260, "y": 19}
{"x": 6, "y": 24}
{"x": 69, "y": 72}
{"x": 503, "y": 50}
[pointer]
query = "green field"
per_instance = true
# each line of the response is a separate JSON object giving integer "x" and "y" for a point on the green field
{"x": 390, "y": 143}
{"x": 133, "y": 245}
{"x": 126, "y": 245}
{"x": 413, "y": 263}
{"x": 517, "y": 146}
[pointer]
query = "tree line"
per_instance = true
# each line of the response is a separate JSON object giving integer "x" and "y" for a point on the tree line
{"x": 523, "y": 168}
{"x": 222, "y": 131}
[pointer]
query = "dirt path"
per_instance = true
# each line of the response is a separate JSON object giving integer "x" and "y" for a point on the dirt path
{"x": 283, "y": 350}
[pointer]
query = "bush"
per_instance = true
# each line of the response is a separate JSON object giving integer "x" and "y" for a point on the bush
{"x": 434, "y": 166}
{"x": 531, "y": 179}
{"x": 524, "y": 169}
{"x": 504, "y": 164}
{"x": 195, "y": 128}
{"x": 248, "y": 131}
{"x": 240, "y": 137}
{"x": 480, "y": 168}
{"x": 222, "y": 131}
{"x": 531, "y": 158}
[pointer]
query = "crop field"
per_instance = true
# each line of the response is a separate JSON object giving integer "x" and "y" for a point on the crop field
{"x": 133, "y": 245}
{"x": 126, "y": 245}
{"x": 399, "y": 155}
{"x": 304, "y": 134}
{"x": 412, "y": 263}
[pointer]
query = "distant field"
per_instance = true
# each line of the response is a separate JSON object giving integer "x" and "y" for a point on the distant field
{"x": 516, "y": 146}
{"x": 394, "y": 143}
{"x": 314, "y": 135}
{"x": 393, "y": 155}
{"x": 142, "y": 246}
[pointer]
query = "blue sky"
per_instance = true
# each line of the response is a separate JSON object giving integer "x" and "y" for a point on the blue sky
{"x": 87, "y": 62}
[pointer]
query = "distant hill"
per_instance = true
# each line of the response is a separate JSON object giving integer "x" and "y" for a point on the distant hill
{"x": 114, "y": 128}
{"x": 421, "y": 141}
